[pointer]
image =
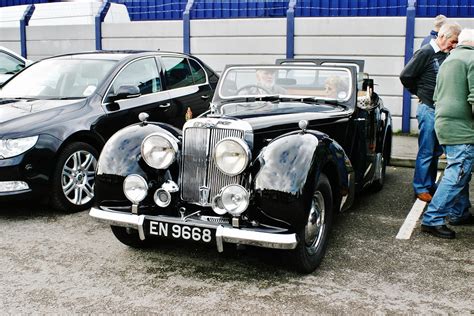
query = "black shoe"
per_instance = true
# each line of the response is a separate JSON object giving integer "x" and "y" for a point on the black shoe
{"x": 441, "y": 231}
{"x": 466, "y": 221}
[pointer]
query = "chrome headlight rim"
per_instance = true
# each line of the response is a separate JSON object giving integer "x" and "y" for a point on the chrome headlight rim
{"x": 26, "y": 144}
{"x": 173, "y": 145}
{"x": 245, "y": 202}
{"x": 145, "y": 186}
{"x": 246, "y": 150}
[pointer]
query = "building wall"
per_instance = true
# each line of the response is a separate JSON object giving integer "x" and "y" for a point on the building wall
{"x": 380, "y": 41}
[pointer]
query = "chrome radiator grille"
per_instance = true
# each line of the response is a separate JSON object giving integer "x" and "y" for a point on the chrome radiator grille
{"x": 198, "y": 168}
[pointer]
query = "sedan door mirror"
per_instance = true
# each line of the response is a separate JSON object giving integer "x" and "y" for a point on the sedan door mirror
{"x": 125, "y": 92}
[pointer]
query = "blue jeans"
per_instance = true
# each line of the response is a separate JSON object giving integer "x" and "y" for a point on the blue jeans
{"x": 452, "y": 196}
{"x": 429, "y": 150}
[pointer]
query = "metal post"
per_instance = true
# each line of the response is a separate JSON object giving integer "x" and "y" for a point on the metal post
{"x": 409, "y": 41}
{"x": 187, "y": 27}
{"x": 24, "y": 21}
{"x": 290, "y": 29}
{"x": 99, "y": 18}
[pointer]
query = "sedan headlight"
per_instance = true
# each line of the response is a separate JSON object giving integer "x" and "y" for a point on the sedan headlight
{"x": 14, "y": 147}
{"x": 232, "y": 155}
{"x": 159, "y": 150}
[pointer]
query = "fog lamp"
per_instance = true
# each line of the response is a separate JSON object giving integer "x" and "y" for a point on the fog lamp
{"x": 10, "y": 186}
{"x": 135, "y": 188}
{"x": 234, "y": 199}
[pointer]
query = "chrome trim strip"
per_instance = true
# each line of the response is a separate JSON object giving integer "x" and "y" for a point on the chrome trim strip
{"x": 226, "y": 234}
{"x": 254, "y": 238}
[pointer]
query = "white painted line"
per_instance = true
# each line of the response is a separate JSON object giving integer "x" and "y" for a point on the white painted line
{"x": 412, "y": 218}
{"x": 410, "y": 221}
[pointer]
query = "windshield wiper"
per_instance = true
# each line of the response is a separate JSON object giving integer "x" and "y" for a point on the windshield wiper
{"x": 65, "y": 98}
{"x": 318, "y": 101}
{"x": 20, "y": 98}
{"x": 268, "y": 97}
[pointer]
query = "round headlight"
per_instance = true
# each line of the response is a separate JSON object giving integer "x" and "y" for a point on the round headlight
{"x": 159, "y": 150}
{"x": 234, "y": 199}
{"x": 232, "y": 155}
{"x": 135, "y": 188}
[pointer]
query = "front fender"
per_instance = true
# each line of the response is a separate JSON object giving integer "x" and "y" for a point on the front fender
{"x": 120, "y": 157}
{"x": 384, "y": 141}
{"x": 289, "y": 167}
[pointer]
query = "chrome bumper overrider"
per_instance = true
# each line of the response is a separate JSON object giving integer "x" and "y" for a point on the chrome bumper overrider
{"x": 224, "y": 233}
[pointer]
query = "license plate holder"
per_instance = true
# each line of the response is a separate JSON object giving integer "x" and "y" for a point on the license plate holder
{"x": 157, "y": 228}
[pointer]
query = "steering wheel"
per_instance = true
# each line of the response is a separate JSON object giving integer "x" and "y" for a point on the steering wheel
{"x": 247, "y": 87}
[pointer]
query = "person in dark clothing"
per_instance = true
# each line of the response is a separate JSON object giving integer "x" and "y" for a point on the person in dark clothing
{"x": 419, "y": 77}
{"x": 439, "y": 21}
{"x": 454, "y": 125}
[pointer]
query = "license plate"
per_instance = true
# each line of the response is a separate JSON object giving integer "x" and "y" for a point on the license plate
{"x": 178, "y": 231}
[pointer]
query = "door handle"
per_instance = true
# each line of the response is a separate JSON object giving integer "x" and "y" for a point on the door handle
{"x": 164, "y": 106}
{"x": 205, "y": 97}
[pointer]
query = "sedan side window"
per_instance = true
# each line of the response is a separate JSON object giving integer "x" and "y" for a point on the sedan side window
{"x": 199, "y": 74}
{"x": 177, "y": 71}
{"x": 142, "y": 73}
{"x": 9, "y": 64}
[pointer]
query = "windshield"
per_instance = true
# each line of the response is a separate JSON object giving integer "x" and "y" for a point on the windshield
{"x": 322, "y": 83}
{"x": 58, "y": 79}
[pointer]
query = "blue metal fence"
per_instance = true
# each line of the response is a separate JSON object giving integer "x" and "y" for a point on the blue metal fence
{"x": 141, "y": 10}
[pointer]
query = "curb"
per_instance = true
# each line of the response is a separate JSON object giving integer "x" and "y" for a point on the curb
{"x": 410, "y": 162}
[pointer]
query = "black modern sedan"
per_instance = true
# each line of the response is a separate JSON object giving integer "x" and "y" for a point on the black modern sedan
{"x": 56, "y": 115}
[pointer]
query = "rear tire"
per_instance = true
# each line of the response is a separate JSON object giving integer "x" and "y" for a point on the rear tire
{"x": 74, "y": 178}
{"x": 313, "y": 238}
{"x": 129, "y": 237}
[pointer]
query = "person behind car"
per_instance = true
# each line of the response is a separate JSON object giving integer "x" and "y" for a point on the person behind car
{"x": 335, "y": 85}
{"x": 438, "y": 22}
{"x": 419, "y": 77}
{"x": 266, "y": 82}
{"x": 454, "y": 97}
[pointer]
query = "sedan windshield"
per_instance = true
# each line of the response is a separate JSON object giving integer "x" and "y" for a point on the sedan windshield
{"x": 292, "y": 82}
{"x": 58, "y": 79}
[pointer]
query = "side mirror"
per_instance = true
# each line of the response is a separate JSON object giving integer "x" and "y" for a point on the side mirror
{"x": 125, "y": 92}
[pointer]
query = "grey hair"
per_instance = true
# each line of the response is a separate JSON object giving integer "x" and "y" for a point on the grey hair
{"x": 466, "y": 35}
{"x": 449, "y": 29}
{"x": 439, "y": 21}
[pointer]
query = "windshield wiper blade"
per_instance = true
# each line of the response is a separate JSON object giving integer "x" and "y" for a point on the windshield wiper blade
{"x": 318, "y": 101}
{"x": 20, "y": 98}
{"x": 65, "y": 98}
{"x": 268, "y": 97}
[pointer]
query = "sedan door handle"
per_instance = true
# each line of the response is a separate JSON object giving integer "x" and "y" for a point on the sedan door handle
{"x": 166, "y": 105}
{"x": 205, "y": 97}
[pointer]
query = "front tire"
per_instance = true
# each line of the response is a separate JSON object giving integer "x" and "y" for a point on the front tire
{"x": 74, "y": 178}
{"x": 129, "y": 237}
{"x": 313, "y": 238}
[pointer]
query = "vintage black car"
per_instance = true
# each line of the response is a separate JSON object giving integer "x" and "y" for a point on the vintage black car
{"x": 56, "y": 115}
{"x": 283, "y": 149}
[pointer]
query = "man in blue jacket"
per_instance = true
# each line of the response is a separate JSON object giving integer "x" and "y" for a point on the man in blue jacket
{"x": 419, "y": 77}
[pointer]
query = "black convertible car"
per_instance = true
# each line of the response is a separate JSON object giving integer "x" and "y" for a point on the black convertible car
{"x": 283, "y": 149}
{"x": 57, "y": 114}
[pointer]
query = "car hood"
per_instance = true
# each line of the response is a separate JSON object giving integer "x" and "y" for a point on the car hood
{"x": 4, "y": 77}
{"x": 20, "y": 116}
{"x": 260, "y": 123}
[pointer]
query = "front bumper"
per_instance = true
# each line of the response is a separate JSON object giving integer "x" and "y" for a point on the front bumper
{"x": 33, "y": 168}
{"x": 224, "y": 232}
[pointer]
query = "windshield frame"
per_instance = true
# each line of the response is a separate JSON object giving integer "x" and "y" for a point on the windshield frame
{"x": 220, "y": 99}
